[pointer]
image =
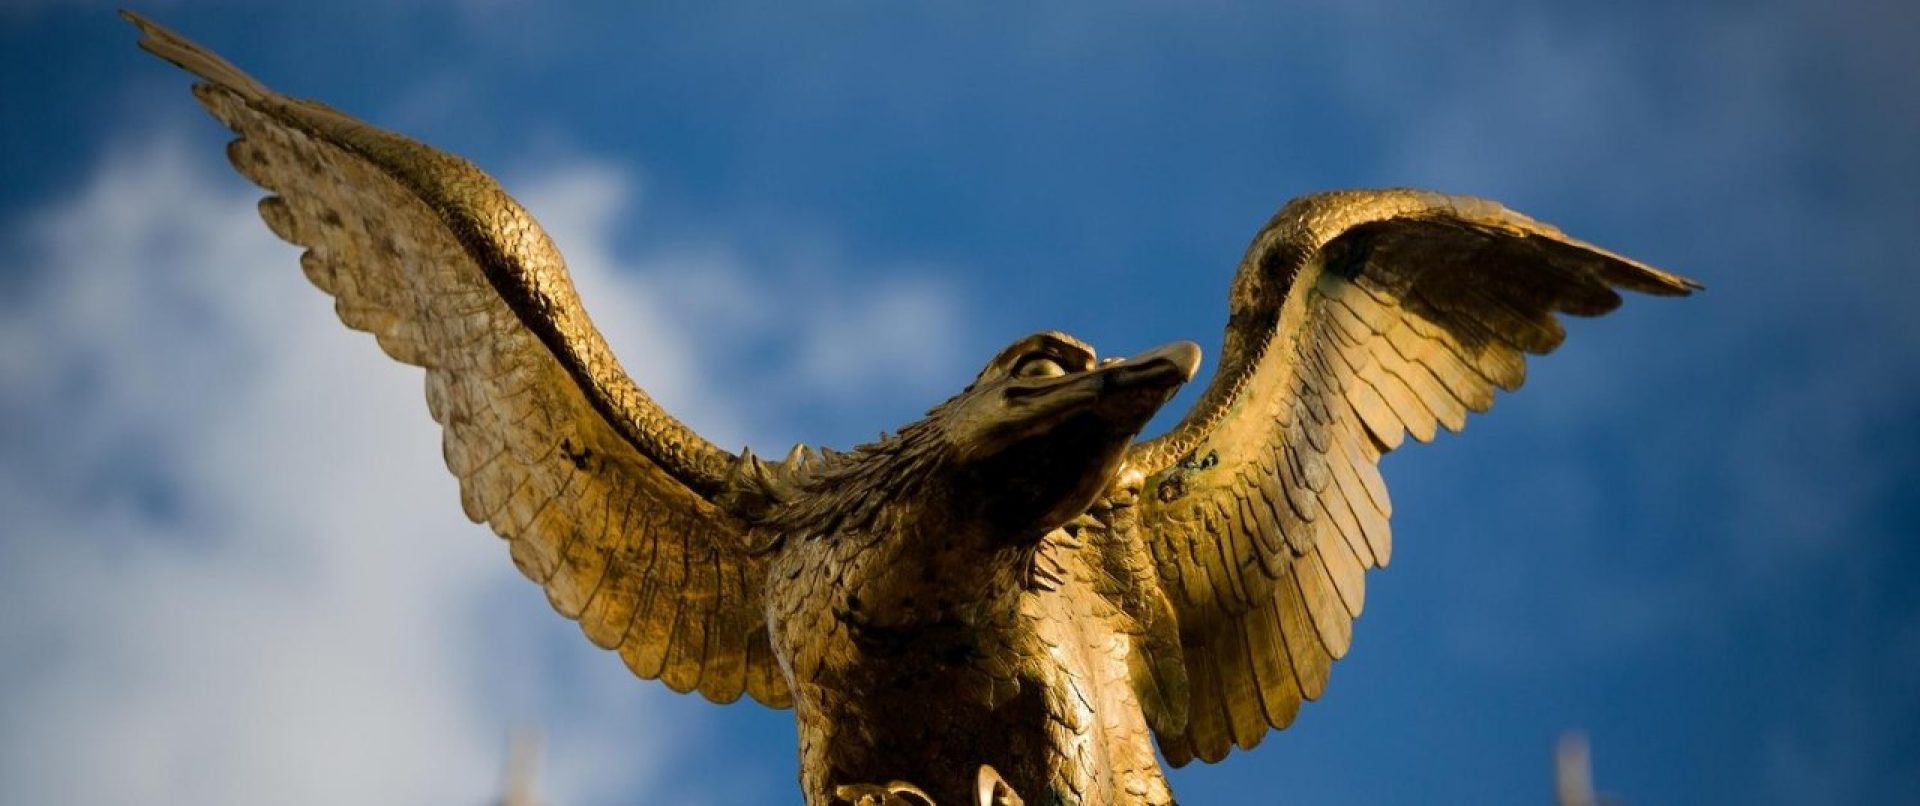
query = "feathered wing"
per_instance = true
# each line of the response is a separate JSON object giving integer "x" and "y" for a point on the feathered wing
{"x": 606, "y": 500}
{"x": 1357, "y": 317}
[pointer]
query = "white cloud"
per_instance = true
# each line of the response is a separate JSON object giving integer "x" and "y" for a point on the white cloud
{"x": 246, "y": 628}
{"x": 234, "y": 570}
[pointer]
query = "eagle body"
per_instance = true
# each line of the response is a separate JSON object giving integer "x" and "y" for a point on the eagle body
{"x": 923, "y": 666}
{"x": 932, "y": 623}
{"x": 932, "y": 703}
{"x": 1013, "y": 598}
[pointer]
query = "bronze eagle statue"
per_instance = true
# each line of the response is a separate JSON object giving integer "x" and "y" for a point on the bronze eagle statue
{"x": 1011, "y": 598}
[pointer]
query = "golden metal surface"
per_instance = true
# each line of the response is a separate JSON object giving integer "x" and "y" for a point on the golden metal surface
{"x": 1008, "y": 598}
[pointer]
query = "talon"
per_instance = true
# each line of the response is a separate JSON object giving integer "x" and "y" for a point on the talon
{"x": 892, "y": 793}
{"x": 993, "y": 790}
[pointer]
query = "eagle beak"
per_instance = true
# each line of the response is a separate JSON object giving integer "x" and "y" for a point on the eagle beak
{"x": 1127, "y": 393}
{"x": 1167, "y": 365}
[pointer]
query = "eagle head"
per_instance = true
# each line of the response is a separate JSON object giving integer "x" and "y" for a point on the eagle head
{"x": 1046, "y": 424}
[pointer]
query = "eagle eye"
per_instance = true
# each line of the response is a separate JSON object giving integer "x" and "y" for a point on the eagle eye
{"x": 1039, "y": 366}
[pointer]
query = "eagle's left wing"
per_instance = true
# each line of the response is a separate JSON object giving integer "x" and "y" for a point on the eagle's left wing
{"x": 1356, "y": 317}
{"x": 620, "y": 511}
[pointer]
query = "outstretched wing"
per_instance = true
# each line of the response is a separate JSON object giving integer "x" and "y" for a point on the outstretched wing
{"x": 606, "y": 500}
{"x": 1357, "y": 317}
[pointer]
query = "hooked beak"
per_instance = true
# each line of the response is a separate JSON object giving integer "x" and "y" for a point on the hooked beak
{"x": 1167, "y": 365}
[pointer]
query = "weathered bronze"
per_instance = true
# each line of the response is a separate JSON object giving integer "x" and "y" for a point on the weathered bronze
{"x": 1008, "y": 596}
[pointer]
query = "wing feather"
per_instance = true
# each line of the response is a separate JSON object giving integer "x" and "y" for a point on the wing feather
{"x": 1305, "y": 648}
{"x": 1239, "y": 695}
{"x": 1346, "y": 573}
{"x": 1207, "y": 727}
{"x": 1267, "y": 655}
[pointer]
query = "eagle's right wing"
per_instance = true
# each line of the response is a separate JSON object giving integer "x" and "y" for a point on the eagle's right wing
{"x": 607, "y": 501}
{"x": 1356, "y": 318}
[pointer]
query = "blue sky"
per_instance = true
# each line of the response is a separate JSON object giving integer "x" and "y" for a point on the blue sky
{"x": 232, "y": 571}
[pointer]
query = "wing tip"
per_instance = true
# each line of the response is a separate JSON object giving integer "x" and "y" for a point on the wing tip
{"x": 163, "y": 42}
{"x": 1684, "y": 286}
{"x": 138, "y": 20}
{"x": 1621, "y": 271}
{"x": 1636, "y": 276}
